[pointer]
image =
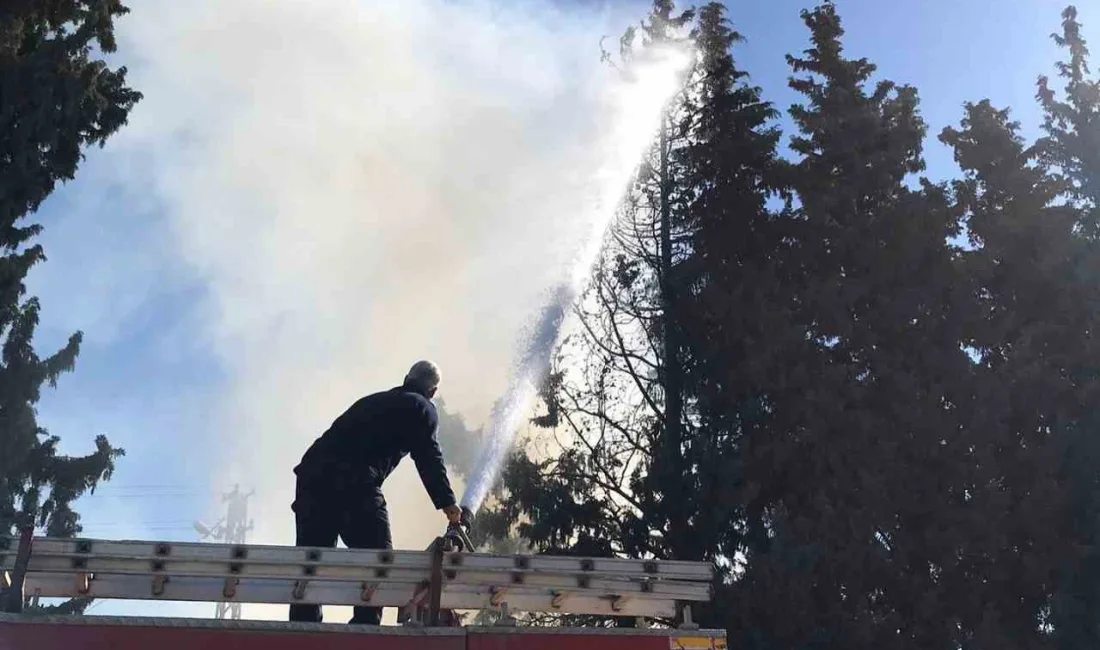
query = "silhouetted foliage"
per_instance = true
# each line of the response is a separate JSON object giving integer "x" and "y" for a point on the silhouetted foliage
{"x": 869, "y": 398}
{"x": 57, "y": 96}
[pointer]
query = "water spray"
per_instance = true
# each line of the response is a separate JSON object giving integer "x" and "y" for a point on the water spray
{"x": 506, "y": 416}
{"x": 640, "y": 103}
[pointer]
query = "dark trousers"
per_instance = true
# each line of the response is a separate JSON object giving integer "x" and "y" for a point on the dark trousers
{"x": 358, "y": 516}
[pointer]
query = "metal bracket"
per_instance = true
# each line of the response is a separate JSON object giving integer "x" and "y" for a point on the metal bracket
{"x": 435, "y": 594}
{"x": 83, "y": 583}
{"x": 12, "y": 602}
{"x": 557, "y": 599}
{"x": 506, "y": 619}
{"x": 420, "y": 594}
{"x": 299, "y": 591}
{"x": 158, "y": 584}
{"x": 618, "y": 602}
{"x": 229, "y": 589}
{"x": 414, "y": 618}
{"x": 688, "y": 623}
{"x": 366, "y": 591}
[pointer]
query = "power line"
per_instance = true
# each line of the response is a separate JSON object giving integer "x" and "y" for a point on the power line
{"x": 143, "y": 486}
{"x": 145, "y": 495}
{"x": 136, "y": 524}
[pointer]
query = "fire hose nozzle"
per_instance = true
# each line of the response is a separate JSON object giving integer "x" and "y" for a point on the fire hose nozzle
{"x": 459, "y": 534}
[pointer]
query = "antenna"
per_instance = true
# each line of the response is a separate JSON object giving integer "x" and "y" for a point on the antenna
{"x": 231, "y": 529}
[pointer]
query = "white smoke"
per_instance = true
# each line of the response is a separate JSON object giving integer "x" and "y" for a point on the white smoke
{"x": 361, "y": 185}
{"x": 637, "y": 109}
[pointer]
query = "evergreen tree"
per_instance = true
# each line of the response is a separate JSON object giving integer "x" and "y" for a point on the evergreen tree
{"x": 57, "y": 96}
{"x": 1072, "y": 125}
{"x": 884, "y": 439}
{"x": 1019, "y": 271}
{"x": 733, "y": 307}
{"x": 856, "y": 476}
{"x": 1072, "y": 148}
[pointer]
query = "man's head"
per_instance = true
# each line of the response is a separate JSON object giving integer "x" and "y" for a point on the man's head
{"x": 423, "y": 378}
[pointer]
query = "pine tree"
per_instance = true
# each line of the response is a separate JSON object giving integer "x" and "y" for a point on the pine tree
{"x": 1072, "y": 125}
{"x": 1071, "y": 147}
{"x": 1019, "y": 271}
{"x": 855, "y": 476}
{"x": 885, "y": 440}
{"x": 56, "y": 98}
{"x": 732, "y": 306}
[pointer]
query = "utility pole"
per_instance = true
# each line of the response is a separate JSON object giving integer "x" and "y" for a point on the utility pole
{"x": 230, "y": 529}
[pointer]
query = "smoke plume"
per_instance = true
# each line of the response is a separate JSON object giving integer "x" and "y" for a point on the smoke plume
{"x": 363, "y": 184}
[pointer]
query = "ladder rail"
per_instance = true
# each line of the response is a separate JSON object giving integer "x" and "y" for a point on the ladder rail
{"x": 141, "y": 550}
{"x": 673, "y": 589}
{"x": 444, "y": 580}
{"x": 250, "y": 590}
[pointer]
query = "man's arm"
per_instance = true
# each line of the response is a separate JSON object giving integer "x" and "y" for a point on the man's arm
{"x": 428, "y": 457}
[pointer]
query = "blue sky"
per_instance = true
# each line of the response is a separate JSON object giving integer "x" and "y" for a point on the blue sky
{"x": 154, "y": 375}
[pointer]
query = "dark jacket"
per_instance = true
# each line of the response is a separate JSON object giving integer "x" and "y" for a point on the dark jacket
{"x": 365, "y": 444}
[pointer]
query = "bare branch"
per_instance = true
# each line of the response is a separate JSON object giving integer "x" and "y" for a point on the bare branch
{"x": 614, "y": 489}
{"x": 631, "y": 437}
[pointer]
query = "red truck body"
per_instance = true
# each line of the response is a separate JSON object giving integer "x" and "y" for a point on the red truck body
{"x": 22, "y": 632}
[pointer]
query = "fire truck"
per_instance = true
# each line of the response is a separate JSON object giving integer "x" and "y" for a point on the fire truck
{"x": 427, "y": 587}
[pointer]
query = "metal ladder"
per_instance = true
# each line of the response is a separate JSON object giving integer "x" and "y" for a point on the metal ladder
{"x": 425, "y": 584}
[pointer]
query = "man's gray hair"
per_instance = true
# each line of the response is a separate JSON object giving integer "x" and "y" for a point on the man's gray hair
{"x": 423, "y": 376}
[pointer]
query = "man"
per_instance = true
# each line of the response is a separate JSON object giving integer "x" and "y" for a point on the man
{"x": 339, "y": 487}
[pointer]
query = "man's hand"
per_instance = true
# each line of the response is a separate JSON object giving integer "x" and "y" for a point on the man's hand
{"x": 454, "y": 514}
